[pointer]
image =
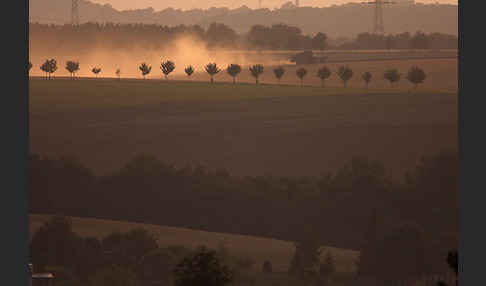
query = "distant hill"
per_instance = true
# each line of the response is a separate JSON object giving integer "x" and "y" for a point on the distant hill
{"x": 337, "y": 21}
{"x": 257, "y": 248}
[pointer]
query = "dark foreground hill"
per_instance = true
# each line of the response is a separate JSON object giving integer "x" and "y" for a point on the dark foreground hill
{"x": 257, "y": 248}
{"x": 261, "y": 131}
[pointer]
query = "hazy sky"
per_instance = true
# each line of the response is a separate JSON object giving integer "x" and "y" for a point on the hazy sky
{"x": 187, "y": 4}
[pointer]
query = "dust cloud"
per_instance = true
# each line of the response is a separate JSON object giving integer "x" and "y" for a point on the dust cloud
{"x": 183, "y": 51}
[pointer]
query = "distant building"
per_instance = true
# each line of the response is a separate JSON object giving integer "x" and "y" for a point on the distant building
{"x": 40, "y": 279}
{"x": 306, "y": 58}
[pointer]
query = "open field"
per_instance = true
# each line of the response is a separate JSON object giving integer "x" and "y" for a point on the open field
{"x": 259, "y": 249}
{"x": 440, "y": 66}
{"x": 441, "y": 74}
{"x": 247, "y": 129}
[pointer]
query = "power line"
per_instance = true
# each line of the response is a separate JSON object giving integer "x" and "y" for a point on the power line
{"x": 378, "y": 25}
{"x": 74, "y": 13}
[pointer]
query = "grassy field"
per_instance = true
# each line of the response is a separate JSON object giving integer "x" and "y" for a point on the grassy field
{"x": 441, "y": 73}
{"x": 247, "y": 129}
{"x": 259, "y": 249}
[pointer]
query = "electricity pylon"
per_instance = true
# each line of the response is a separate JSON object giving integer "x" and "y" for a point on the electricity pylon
{"x": 74, "y": 13}
{"x": 378, "y": 25}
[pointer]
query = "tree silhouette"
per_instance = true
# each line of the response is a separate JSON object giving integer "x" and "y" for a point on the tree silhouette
{"x": 301, "y": 74}
{"x": 44, "y": 67}
{"x": 279, "y": 72}
{"x": 306, "y": 257}
{"x": 319, "y": 42}
{"x": 202, "y": 268}
{"x": 392, "y": 75}
{"x": 366, "y": 76}
{"x": 406, "y": 247}
{"x": 323, "y": 73}
{"x": 233, "y": 70}
{"x": 145, "y": 69}
{"x": 218, "y": 34}
{"x": 54, "y": 243}
{"x": 159, "y": 264}
{"x": 167, "y": 67}
{"x": 416, "y": 75}
{"x": 267, "y": 267}
{"x": 368, "y": 253}
{"x": 328, "y": 267}
{"x": 345, "y": 73}
{"x": 189, "y": 70}
{"x": 52, "y": 67}
{"x": 72, "y": 67}
{"x": 212, "y": 69}
{"x": 129, "y": 248}
{"x": 256, "y": 71}
{"x": 453, "y": 262}
{"x": 419, "y": 41}
{"x": 114, "y": 275}
{"x": 49, "y": 67}
{"x": 118, "y": 72}
{"x": 96, "y": 71}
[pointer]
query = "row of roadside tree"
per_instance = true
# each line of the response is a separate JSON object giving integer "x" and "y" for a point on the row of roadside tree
{"x": 415, "y": 75}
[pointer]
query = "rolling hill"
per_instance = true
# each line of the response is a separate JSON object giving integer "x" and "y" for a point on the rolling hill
{"x": 336, "y": 21}
{"x": 257, "y": 248}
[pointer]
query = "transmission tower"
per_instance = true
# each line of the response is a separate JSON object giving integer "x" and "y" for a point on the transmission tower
{"x": 378, "y": 25}
{"x": 74, "y": 13}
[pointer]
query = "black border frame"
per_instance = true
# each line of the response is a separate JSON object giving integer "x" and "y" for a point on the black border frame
{"x": 15, "y": 147}
{"x": 14, "y": 144}
{"x": 471, "y": 146}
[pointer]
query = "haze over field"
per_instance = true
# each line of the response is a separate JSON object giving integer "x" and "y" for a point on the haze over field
{"x": 192, "y": 4}
{"x": 264, "y": 134}
{"x": 335, "y": 21}
{"x": 184, "y": 51}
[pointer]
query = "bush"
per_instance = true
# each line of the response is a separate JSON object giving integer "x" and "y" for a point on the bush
{"x": 114, "y": 276}
{"x": 267, "y": 267}
{"x": 345, "y": 73}
{"x": 202, "y": 268}
{"x": 392, "y": 75}
{"x": 327, "y": 268}
{"x": 416, "y": 75}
